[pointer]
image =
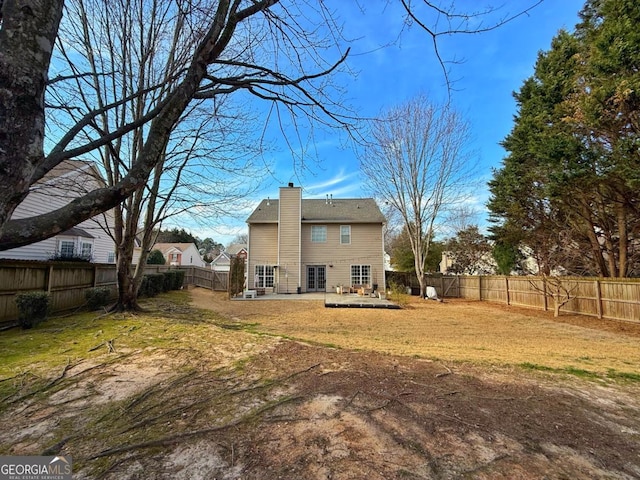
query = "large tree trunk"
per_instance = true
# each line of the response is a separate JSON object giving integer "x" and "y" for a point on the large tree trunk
{"x": 596, "y": 250}
{"x": 623, "y": 236}
{"x": 27, "y": 36}
{"x": 127, "y": 292}
{"x": 127, "y": 287}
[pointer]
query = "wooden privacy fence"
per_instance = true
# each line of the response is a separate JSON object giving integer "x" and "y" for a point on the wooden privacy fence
{"x": 617, "y": 299}
{"x": 211, "y": 279}
{"x": 612, "y": 298}
{"x": 67, "y": 282}
{"x": 197, "y": 276}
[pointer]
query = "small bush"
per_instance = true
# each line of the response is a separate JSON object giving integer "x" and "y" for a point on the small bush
{"x": 32, "y": 308}
{"x": 178, "y": 279}
{"x": 144, "y": 287}
{"x": 167, "y": 278}
{"x": 152, "y": 285}
{"x": 397, "y": 294}
{"x": 97, "y": 297}
{"x": 58, "y": 257}
{"x": 156, "y": 283}
{"x": 174, "y": 279}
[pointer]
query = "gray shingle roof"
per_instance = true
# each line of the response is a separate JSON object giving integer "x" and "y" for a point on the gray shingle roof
{"x": 76, "y": 232}
{"x": 343, "y": 210}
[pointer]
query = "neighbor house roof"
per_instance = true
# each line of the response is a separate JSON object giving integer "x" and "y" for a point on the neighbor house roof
{"x": 223, "y": 259}
{"x": 234, "y": 248}
{"x": 344, "y": 210}
{"x": 76, "y": 232}
{"x": 164, "y": 247}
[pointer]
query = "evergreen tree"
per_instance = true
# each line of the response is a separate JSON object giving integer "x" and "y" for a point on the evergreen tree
{"x": 470, "y": 251}
{"x": 567, "y": 189}
{"x": 156, "y": 258}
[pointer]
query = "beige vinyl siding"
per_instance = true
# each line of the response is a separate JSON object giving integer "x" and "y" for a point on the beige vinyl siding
{"x": 289, "y": 268}
{"x": 365, "y": 249}
{"x": 263, "y": 247}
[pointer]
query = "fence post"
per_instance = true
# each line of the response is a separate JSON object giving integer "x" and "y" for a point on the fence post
{"x": 49, "y": 278}
{"x": 598, "y": 299}
{"x": 506, "y": 282}
{"x": 544, "y": 293}
{"x": 479, "y": 287}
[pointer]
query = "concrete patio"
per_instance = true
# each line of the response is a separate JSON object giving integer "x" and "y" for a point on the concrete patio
{"x": 331, "y": 300}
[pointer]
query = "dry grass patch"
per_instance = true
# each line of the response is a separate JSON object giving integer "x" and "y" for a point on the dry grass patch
{"x": 456, "y": 330}
{"x": 186, "y": 394}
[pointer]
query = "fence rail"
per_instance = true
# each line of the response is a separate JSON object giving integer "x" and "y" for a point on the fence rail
{"x": 67, "y": 282}
{"x": 610, "y": 298}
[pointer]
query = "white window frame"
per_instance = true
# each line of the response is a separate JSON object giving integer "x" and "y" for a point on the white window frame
{"x": 264, "y": 276}
{"x": 347, "y": 234}
{"x": 83, "y": 249}
{"x": 62, "y": 247}
{"x": 360, "y": 274}
{"x": 111, "y": 257}
{"x": 318, "y": 234}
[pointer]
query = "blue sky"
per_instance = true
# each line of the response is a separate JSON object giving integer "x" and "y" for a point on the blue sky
{"x": 494, "y": 65}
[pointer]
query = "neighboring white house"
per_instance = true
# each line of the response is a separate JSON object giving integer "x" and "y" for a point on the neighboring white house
{"x": 222, "y": 263}
{"x": 485, "y": 265}
{"x": 180, "y": 254}
{"x": 89, "y": 239}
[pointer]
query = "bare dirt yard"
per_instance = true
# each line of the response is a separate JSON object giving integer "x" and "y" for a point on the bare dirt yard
{"x": 202, "y": 387}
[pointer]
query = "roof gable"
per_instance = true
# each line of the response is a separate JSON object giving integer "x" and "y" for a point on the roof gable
{"x": 236, "y": 248}
{"x": 166, "y": 247}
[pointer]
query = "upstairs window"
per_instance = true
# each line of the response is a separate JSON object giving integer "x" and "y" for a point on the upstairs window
{"x": 87, "y": 250}
{"x": 345, "y": 234}
{"x": 67, "y": 248}
{"x": 319, "y": 233}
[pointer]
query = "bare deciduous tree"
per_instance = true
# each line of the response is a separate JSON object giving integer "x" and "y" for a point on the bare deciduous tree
{"x": 274, "y": 50}
{"x": 557, "y": 289}
{"x": 419, "y": 164}
{"x": 203, "y": 166}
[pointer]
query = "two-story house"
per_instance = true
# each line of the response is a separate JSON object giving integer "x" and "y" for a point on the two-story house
{"x": 315, "y": 245}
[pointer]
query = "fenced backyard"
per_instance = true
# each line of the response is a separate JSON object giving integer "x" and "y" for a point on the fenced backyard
{"x": 609, "y": 298}
{"x": 67, "y": 282}
{"x": 616, "y": 299}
